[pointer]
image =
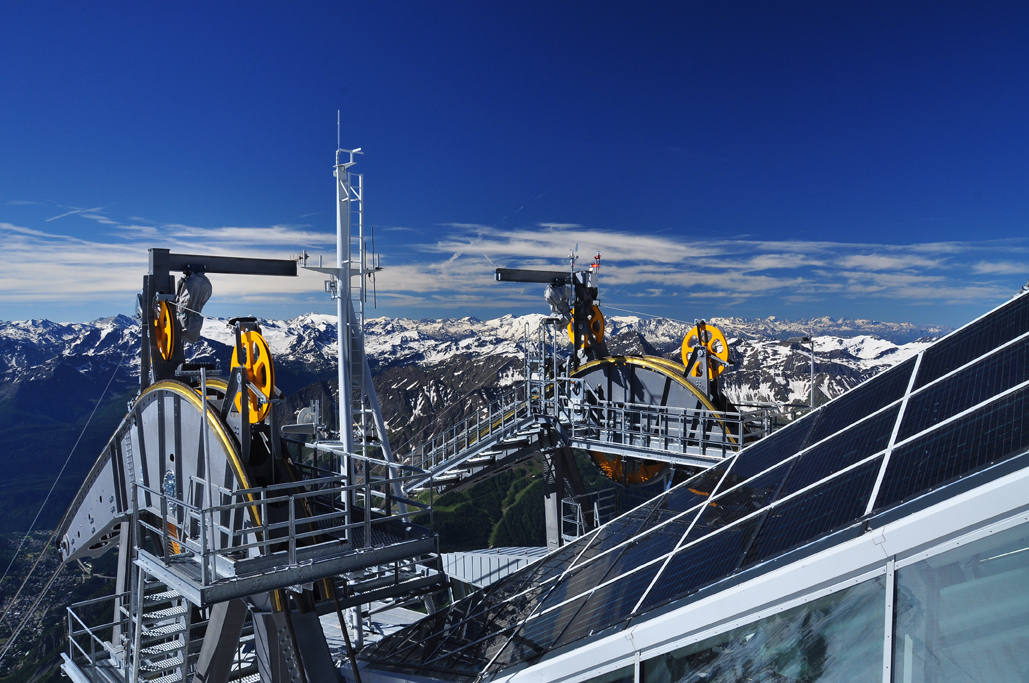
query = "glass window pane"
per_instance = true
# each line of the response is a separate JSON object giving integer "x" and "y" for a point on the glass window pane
{"x": 836, "y": 638}
{"x": 623, "y": 675}
{"x": 963, "y": 615}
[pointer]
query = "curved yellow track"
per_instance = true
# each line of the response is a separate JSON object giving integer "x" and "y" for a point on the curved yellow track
{"x": 220, "y": 430}
{"x": 612, "y": 467}
{"x": 666, "y": 367}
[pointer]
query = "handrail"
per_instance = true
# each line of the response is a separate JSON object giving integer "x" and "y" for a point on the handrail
{"x": 313, "y": 517}
{"x": 665, "y": 428}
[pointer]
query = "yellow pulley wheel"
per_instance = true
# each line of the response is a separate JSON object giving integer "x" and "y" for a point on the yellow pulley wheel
{"x": 595, "y": 319}
{"x": 714, "y": 341}
{"x": 259, "y": 372}
{"x": 627, "y": 471}
{"x": 164, "y": 330}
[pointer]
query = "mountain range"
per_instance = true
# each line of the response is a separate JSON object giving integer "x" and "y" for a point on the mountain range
{"x": 52, "y": 375}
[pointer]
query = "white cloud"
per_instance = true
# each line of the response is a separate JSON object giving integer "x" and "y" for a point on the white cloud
{"x": 1002, "y": 268}
{"x": 36, "y": 266}
{"x": 878, "y": 262}
{"x": 456, "y": 272}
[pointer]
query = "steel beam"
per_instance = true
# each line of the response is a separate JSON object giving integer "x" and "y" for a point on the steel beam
{"x": 163, "y": 262}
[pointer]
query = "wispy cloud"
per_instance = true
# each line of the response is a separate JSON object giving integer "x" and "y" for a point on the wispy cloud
{"x": 1000, "y": 268}
{"x": 40, "y": 266}
{"x": 658, "y": 272}
{"x": 71, "y": 211}
{"x": 729, "y": 271}
{"x": 559, "y": 226}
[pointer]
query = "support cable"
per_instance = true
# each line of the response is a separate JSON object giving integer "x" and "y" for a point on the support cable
{"x": 42, "y": 507}
{"x": 29, "y": 612}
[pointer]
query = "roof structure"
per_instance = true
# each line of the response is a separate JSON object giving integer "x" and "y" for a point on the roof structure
{"x": 940, "y": 423}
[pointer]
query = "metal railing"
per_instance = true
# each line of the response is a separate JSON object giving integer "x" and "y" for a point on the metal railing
{"x": 90, "y": 635}
{"x": 282, "y": 524}
{"x": 581, "y": 514}
{"x": 511, "y": 411}
{"x": 665, "y": 428}
{"x": 591, "y": 422}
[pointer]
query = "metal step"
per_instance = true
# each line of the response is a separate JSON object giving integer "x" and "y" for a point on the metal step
{"x": 162, "y": 664}
{"x": 249, "y": 678}
{"x": 484, "y": 459}
{"x": 163, "y": 631}
{"x": 169, "y": 678}
{"x": 166, "y": 613}
{"x": 166, "y": 646}
{"x": 162, "y": 596}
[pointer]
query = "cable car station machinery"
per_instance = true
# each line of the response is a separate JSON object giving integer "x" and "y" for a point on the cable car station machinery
{"x": 638, "y": 418}
{"x": 229, "y": 548}
{"x": 624, "y": 397}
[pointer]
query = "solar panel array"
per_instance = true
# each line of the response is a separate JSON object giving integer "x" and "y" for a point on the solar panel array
{"x": 949, "y": 412}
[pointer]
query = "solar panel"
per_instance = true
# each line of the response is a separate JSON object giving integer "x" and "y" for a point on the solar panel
{"x": 991, "y": 375}
{"x": 972, "y": 341}
{"x": 609, "y": 605}
{"x": 994, "y": 432}
{"x": 863, "y": 400}
{"x": 690, "y": 569}
{"x": 819, "y": 510}
{"x": 468, "y": 659}
{"x": 537, "y": 635}
{"x": 771, "y": 450}
{"x": 654, "y": 545}
{"x": 740, "y": 502}
{"x": 623, "y": 528}
{"x": 697, "y": 489}
{"x": 764, "y": 502}
{"x": 842, "y": 451}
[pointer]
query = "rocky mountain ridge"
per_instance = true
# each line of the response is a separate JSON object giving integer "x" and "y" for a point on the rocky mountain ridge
{"x": 304, "y": 348}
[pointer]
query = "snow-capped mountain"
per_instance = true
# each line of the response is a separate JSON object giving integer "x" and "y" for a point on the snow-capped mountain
{"x": 428, "y": 372}
{"x": 846, "y": 351}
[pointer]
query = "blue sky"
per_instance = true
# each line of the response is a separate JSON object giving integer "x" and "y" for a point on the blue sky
{"x": 796, "y": 159}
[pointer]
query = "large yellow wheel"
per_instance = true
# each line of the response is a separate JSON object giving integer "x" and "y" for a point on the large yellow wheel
{"x": 257, "y": 360}
{"x": 164, "y": 330}
{"x": 618, "y": 381}
{"x": 714, "y": 341}
{"x": 626, "y": 471}
{"x": 595, "y": 319}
